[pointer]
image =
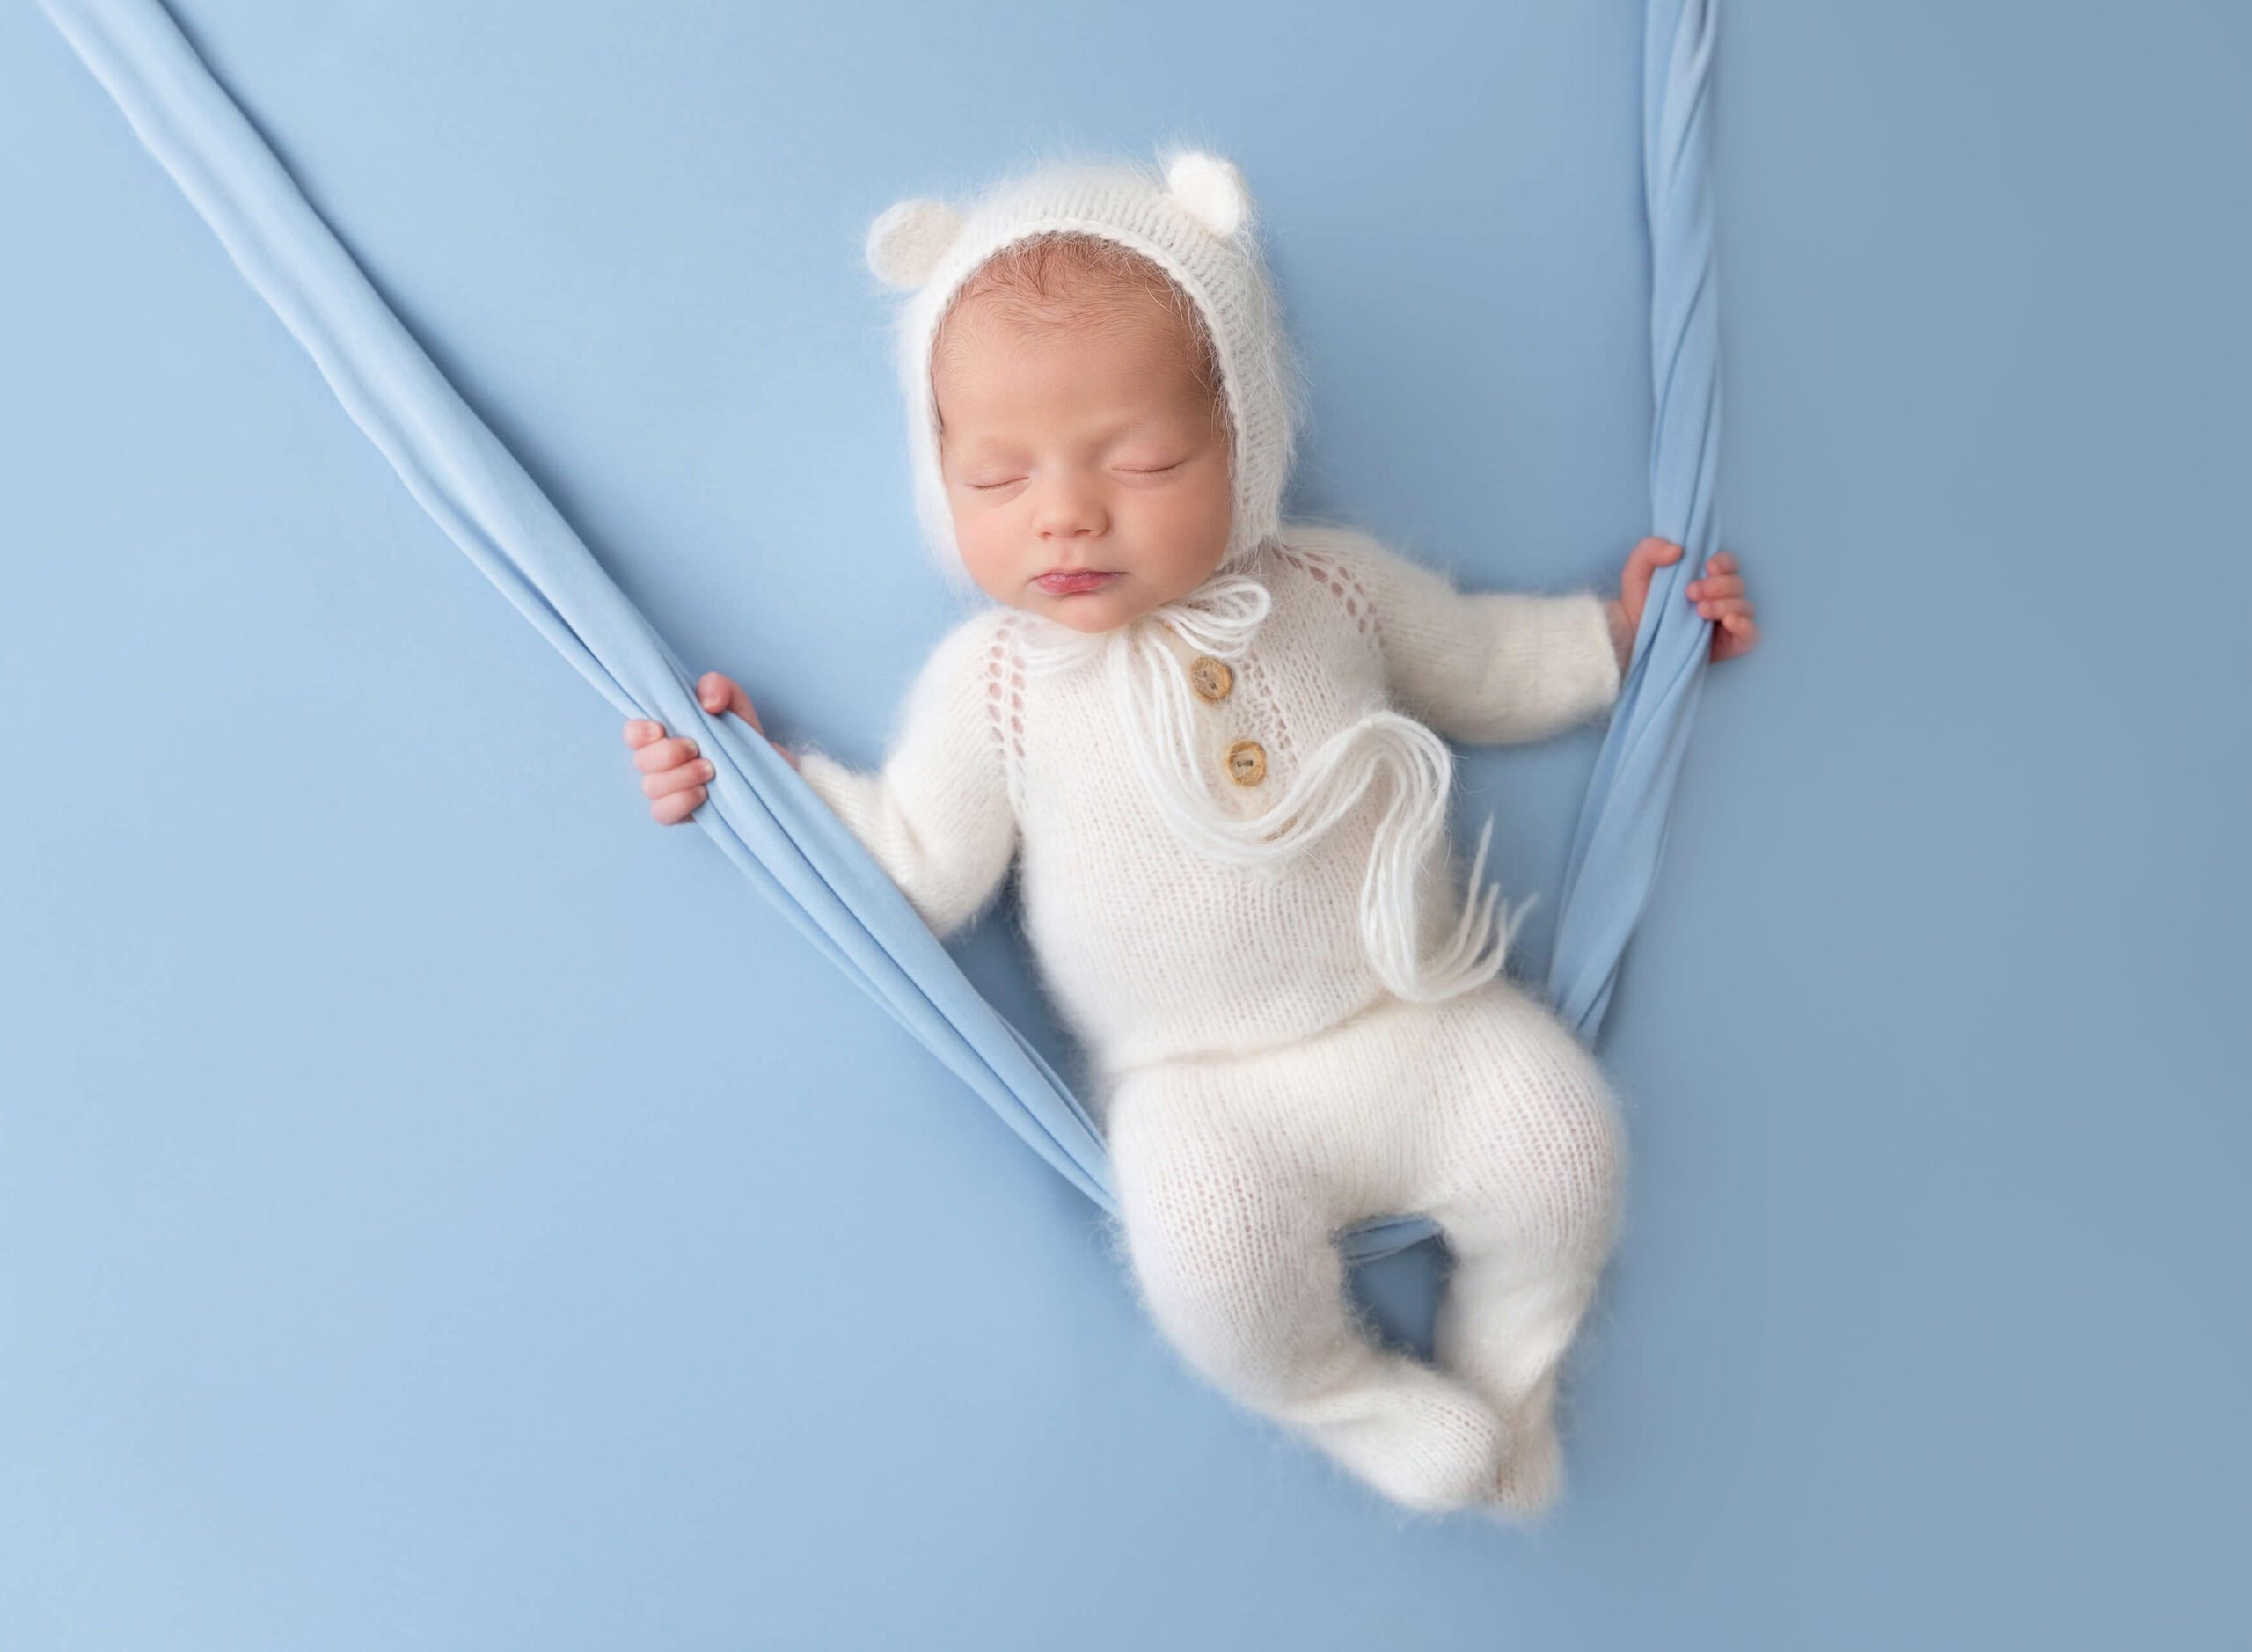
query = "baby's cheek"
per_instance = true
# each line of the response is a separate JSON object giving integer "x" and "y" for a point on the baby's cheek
{"x": 1194, "y": 519}
{"x": 985, "y": 553}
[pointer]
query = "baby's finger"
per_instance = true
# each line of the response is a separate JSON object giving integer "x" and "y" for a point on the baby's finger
{"x": 1722, "y": 606}
{"x": 1728, "y": 585}
{"x": 739, "y": 703}
{"x": 1642, "y": 565}
{"x": 1737, "y": 634}
{"x": 676, "y": 806}
{"x": 685, "y": 778}
{"x": 665, "y": 754}
{"x": 639, "y": 731}
{"x": 1723, "y": 563}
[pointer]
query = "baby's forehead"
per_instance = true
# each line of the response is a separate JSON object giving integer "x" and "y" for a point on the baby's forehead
{"x": 993, "y": 318}
{"x": 1115, "y": 342}
{"x": 972, "y": 432}
{"x": 1108, "y": 356}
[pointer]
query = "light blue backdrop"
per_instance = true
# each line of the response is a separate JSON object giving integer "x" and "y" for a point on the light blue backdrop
{"x": 397, "y": 1245}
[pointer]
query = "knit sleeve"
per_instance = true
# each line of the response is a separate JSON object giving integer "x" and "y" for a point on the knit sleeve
{"x": 937, "y": 815}
{"x": 1490, "y": 667}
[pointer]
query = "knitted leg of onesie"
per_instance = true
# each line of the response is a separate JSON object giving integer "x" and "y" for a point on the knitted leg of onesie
{"x": 1525, "y": 1156}
{"x": 1234, "y": 1175}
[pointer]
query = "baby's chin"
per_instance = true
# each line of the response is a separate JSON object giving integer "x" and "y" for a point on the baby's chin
{"x": 1097, "y": 611}
{"x": 1121, "y": 602}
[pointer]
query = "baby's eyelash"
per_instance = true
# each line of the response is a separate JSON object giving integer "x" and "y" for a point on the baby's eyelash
{"x": 987, "y": 487}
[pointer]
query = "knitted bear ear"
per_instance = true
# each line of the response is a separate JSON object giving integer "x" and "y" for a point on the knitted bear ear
{"x": 908, "y": 239}
{"x": 1212, "y": 190}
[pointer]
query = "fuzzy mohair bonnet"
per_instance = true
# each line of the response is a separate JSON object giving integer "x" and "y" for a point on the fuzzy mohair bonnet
{"x": 1193, "y": 219}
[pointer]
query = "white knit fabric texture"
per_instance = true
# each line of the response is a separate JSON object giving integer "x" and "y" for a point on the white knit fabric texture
{"x": 1236, "y": 1172}
{"x": 1261, "y": 1083}
{"x": 1156, "y": 942}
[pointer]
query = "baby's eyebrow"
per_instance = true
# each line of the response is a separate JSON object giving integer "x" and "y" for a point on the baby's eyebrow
{"x": 981, "y": 445}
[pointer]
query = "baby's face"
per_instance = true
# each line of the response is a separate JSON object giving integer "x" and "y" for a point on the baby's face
{"x": 1091, "y": 452}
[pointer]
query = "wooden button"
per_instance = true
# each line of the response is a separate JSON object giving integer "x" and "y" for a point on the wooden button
{"x": 1246, "y": 763}
{"x": 1210, "y": 678}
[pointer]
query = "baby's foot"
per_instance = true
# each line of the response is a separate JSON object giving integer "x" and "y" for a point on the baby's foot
{"x": 1430, "y": 1445}
{"x": 1531, "y": 1476}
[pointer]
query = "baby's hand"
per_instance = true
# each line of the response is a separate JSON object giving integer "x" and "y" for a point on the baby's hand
{"x": 673, "y": 776}
{"x": 1719, "y": 596}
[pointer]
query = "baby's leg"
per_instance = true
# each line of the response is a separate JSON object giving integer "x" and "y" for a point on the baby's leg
{"x": 1232, "y": 1180}
{"x": 1526, "y": 1158}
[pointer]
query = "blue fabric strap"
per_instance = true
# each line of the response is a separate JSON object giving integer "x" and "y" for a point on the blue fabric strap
{"x": 763, "y": 816}
{"x": 1620, "y": 836}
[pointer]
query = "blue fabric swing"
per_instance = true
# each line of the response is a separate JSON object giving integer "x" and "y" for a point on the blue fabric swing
{"x": 760, "y": 813}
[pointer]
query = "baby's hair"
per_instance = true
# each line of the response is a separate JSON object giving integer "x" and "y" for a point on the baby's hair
{"x": 1067, "y": 282}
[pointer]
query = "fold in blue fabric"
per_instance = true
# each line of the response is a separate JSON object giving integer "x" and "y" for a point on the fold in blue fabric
{"x": 763, "y": 816}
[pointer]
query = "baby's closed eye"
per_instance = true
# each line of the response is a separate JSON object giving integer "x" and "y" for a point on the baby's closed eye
{"x": 1154, "y": 467}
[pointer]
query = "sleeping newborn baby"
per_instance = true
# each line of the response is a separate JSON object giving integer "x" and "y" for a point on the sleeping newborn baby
{"x": 1209, "y": 741}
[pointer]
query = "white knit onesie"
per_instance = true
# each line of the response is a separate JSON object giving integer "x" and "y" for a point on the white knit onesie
{"x": 1260, "y": 1085}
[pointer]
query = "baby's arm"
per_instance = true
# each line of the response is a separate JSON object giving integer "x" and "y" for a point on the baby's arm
{"x": 936, "y": 817}
{"x": 1490, "y": 667}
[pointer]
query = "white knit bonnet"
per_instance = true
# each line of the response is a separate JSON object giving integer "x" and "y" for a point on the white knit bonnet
{"x": 1194, "y": 222}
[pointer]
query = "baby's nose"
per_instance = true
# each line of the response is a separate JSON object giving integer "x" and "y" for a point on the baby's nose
{"x": 1067, "y": 512}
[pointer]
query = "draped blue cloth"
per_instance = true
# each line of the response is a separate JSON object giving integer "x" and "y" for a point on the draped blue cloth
{"x": 761, "y": 813}
{"x": 1620, "y": 836}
